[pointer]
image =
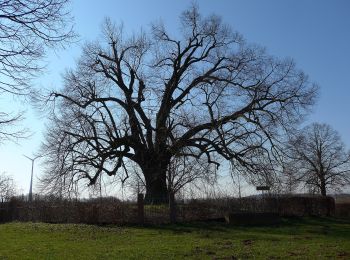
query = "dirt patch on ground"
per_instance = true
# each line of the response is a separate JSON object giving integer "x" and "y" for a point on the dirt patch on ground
{"x": 247, "y": 242}
{"x": 343, "y": 255}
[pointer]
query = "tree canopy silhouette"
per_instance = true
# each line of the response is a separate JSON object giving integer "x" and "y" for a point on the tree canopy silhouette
{"x": 146, "y": 98}
{"x": 27, "y": 28}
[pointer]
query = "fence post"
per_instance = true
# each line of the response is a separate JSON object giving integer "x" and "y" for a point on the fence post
{"x": 141, "y": 208}
{"x": 172, "y": 207}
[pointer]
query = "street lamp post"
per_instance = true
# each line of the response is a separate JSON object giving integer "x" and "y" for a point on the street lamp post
{"x": 31, "y": 177}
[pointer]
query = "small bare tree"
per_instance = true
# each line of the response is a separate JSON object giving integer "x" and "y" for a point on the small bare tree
{"x": 289, "y": 180}
{"x": 319, "y": 158}
{"x": 185, "y": 170}
{"x": 7, "y": 187}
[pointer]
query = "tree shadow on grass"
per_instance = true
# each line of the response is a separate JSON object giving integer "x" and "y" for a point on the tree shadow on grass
{"x": 330, "y": 227}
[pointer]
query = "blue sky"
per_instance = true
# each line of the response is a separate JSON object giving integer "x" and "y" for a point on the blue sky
{"x": 315, "y": 34}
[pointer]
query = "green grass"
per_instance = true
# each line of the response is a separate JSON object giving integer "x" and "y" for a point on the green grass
{"x": 298, "y": 239}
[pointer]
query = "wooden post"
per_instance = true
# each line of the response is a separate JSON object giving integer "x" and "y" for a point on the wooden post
{"x": 172, "y": 207}
{"x": 141, "y": 208}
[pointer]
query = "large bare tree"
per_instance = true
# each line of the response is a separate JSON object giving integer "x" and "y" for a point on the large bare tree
{"x": 27, "y": 28}
{"x": 319, "y": 159}
{"x": 201, "y": 93}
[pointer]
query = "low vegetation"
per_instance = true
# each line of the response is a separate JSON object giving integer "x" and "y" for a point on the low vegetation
{"x": 307, "y": 238}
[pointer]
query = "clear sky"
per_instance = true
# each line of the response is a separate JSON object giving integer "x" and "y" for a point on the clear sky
{"x": 316, "y": 34}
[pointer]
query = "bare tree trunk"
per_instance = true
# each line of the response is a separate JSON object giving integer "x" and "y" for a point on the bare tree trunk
{"x": 154, "y": 168}
{"x": 156, "y": 188}
{"x": 323, "y": 188}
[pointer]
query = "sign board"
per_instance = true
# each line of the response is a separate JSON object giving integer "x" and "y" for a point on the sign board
{"x": 262, "y": 188}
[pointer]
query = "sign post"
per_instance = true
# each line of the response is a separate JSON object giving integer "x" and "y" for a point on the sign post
{"x": 263, "y": 188}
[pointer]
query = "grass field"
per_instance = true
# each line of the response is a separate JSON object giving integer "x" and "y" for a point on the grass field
{"x": 298, "y": 239}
